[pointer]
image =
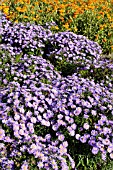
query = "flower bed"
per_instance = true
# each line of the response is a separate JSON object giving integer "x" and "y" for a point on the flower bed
{"x": 56, "y": 100}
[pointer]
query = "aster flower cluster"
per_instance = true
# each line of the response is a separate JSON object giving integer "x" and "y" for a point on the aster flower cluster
{"x": 19, "y": 38}
{"x": 40, "y": 109}
{"x": 71, "y": 53}
{"x": 86, "y": 112}
{"x": 27, "y": 68}
{"x": 75, "y": 48}
{"x": 24, "y": 110}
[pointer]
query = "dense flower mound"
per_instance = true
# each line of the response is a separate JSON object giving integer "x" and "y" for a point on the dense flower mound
{"x": 24, "y": 68}
{"x": 86, "y": 112}
{"x": 23, "y": 38}
{"x": 24, "y": 110}
{"x": 72, "y": 48}
{"x": 4, "y": 22}
{"x": 101, "y": 72}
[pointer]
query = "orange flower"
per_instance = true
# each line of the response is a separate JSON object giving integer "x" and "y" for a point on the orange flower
{"x": 18, "y": 9}
{"x": 27, "y": 1}
{"x": 62, "y": 10}
{"x": 104, "y": 40}
{"x": 25, "y": 16}
{"x": 97, "y": 36}
{"x": 102, "y": 13}
{"x": 40, "y": 11}
{"x": 112, "y": 47}
{"x": 36, "y": 3}
{"x": 61, "y": 18}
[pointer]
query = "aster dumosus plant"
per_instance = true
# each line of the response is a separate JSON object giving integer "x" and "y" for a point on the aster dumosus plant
{"x": 71, "y": 53}
{"x": 46, "y": 117}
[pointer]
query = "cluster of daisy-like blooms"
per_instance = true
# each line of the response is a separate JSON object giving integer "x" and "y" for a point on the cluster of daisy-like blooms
{"x": 75, "y": 48}
{"x": 34, "y": 96}
{"x": 19, "y": 38}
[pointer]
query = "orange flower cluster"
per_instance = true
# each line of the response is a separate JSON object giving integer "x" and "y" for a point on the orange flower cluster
{"x": 74, "y": 7}
{"x": 64, "y": 11}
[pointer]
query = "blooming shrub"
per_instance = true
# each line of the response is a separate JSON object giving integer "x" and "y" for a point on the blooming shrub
{"x": 46, "y": 117}
{"x": 86, "y": 110}
{"x": 71, "y": 53}
{"x": 24, "y": 68}
{"x": 23, "y": 38}
{"x": 72, "y": 48}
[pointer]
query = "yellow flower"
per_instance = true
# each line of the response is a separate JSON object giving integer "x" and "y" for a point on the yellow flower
{"x": 56, "y": 27}
{"x": 62, "y": 10}
{"x": 112, "y": 25}
{"x": 3, "y": 4}
{"x": 6, "y": 10}
{"x": 98, "y": 17}
{"x": 32, "y": 12}
{"x": 34, "y": 19}
{"x": 75, "y": 28}
{"x": 1, "y": 7}
{"x": 16, "y": 21}
{"x": 61, "y": 18}
{"x": 66, "y": 25}
{"x": 20, "y": 1}
{"x": 97, "y": 36}
{"x": 37, "y": 16}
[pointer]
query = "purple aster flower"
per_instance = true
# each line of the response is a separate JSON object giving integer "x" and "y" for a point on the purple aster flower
{"x": 65, "y": 143}
{"x": 106, "y": 141}
{"x": 55, "y": 127}
{"x": 77, "y": 136}
{"x": 60, "y": 116}
{"x": 62, "y": 149}
{"x": 86, "y": 126}
{"x": 106, "y": 130}
{"x": 92, "y": 142}
{"x": 24, "y": 166}
{"x": 71, "y": 131}
{"x": 111, "y": 155}
{"x": 104, "y": 155}
{"x": 2, "y": 134}
{"x": 83, "y": 139}
{"x": 94, "y": 112}
{"x": 94, "y": 133}
{"x": 95, "y": 150}
{"x": 74, "y": 126}
{"x": 61, "y": 137}
{"x": 77, "y": 111}
{"x": 33, "y": 120}
{"x": 48, "y": 137}
{"x": 110, "y": 149}
{"x": 17, "y": 117}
